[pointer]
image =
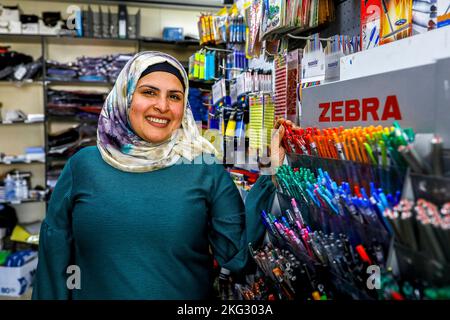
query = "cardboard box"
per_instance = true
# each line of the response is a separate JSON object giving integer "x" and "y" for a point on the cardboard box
{"x": 15, "y": 281}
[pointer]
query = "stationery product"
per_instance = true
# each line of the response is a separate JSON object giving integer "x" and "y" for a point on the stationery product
{"x": 370, "y": 23}
{"x": 274, "y": 15}
{"x": 424, "y": 16}
{"x": 396, "y": 20}
{"x": 368, "y": 145}
{"x": 281, "y": 86}
{"x": 313, "y": 61}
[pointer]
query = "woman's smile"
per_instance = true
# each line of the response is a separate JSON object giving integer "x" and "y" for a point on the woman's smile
{"x": 157, "y": 121}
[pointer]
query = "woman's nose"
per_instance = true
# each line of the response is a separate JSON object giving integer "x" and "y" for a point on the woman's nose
{"x": 162, "y": 104}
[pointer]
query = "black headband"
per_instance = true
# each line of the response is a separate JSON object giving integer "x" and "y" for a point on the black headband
{"x": 164, "y": 67}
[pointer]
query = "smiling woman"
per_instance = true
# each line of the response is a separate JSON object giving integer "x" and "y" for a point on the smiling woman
{"x": 138, "y": 223}
{"x": 157, "y": 105}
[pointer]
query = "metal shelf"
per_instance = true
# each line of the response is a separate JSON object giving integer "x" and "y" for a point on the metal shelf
{"x": 79, "y": 83}
{"x": 56, "y": 118}
{"x": 149, "y": 41}
{"x": 74, "y": 40}
{"x": 24, "y": 38}
{"x": 20, "y": 83}
{"x": 71, "y": 40}
{"x": 17, "y": 202}
{"x": 21, "y": 162}
{"x": 20, "y": 123}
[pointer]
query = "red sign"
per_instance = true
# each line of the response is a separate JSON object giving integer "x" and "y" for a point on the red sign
{"x": 367, "y": 109}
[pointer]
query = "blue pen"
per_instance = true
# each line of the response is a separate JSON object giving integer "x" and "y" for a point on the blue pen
{"x": 268, "y": 223}
{"x": 363, "y": 192}
{"x": 313, "y": 198}
{"x": 346, "y": 187}
{"x": 328, "y": 201}
{"x": 380, "y": 213}
{"x": 384, "y": 200}
{"x": 373, "y": 190}
{"x": 398, "y": 195}
{"x": 391, "y": 200}
{"x": 327, "y": 192}
{"x": 285, "y": 222}
{"x": 372, "y": 34}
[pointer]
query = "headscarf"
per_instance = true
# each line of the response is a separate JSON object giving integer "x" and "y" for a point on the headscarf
{"x": 121, "y": 147}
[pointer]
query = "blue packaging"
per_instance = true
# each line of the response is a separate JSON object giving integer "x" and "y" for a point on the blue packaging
{"x": 173, "y": 34}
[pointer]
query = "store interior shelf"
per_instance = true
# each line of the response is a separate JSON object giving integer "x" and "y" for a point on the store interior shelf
{"x": 78, "y": 83}
{"x": 56, "y": 118}
{"x": 70, "y": 40}
{"x": 147, "y": 40}
{"x": 4, "y": 123}
{"x": 12, "y": 163}
{"x": 20, "y": 83}
{"x": 16, "y": 202}
{"x": 67, "y": 39}
{"x": 25, "y": 38}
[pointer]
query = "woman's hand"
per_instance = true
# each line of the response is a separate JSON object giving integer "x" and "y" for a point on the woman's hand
{"x": 278, "y": 153}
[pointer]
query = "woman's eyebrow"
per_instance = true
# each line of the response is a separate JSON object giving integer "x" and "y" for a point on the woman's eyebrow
{"x": 150, "y": 87}
{"x": 157, "y": 89}
{"x": 176, "y": 91}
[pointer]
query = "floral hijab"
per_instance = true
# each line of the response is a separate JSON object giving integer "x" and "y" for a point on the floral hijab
{"x": 121, "y": 147}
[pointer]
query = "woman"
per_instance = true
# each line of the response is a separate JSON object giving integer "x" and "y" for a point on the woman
{"x": 135, "y": 214}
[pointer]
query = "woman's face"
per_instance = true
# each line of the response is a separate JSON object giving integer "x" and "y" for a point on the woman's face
{"x": 157, "y": 106}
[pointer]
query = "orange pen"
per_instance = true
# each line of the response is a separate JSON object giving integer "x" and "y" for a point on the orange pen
{"x": 344, "y": 145}
{"x": 319, "y": 146}
{"x": 355, "y": 145}
{"x": 350, "y": 148}
{"x": 332, "y": 148}
{"x": 363, "y": 150}
{"x": 323, "y": 140}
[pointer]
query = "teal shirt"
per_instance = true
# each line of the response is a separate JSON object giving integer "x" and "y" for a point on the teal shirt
{"x": 145, "y": 235}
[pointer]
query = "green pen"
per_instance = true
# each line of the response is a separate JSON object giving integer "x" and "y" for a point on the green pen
{"x": 370, "y": 153}
{"x": 400, "y": 133}
{"x": 382, "y": 145}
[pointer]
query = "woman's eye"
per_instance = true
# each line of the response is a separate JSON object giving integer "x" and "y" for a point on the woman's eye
{"x": 175, "y": 97}
{"x": 150, "y": 93}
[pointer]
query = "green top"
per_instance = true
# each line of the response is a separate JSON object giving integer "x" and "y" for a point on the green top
{"x": 145, "y": 235}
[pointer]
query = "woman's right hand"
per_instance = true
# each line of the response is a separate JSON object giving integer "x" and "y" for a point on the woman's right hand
{"x": 278, "y": 153}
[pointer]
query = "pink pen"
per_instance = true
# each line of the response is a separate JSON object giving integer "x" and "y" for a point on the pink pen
{"x": 297, "y": 211}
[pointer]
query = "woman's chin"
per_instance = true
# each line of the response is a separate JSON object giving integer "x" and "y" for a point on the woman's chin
{"x": 156, "y": 138}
